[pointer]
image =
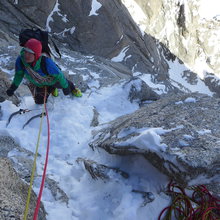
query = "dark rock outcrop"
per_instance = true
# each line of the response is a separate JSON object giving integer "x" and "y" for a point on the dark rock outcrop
{"x": 108, "y": 34}
{"x": 100, "y": 171}
{"x": 178, "y": 134}
{"x": 139, "y": 91}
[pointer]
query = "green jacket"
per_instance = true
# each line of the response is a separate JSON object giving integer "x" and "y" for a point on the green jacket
{"x": 52, "y": 69}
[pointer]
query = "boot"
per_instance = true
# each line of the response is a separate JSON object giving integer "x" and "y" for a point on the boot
{"x": 76, "y": 92}
{"x": 55, "y": 92}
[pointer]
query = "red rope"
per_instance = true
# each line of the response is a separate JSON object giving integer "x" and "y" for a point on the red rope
{"x": 46, "y": 160}
{"x": 200, "y": 205}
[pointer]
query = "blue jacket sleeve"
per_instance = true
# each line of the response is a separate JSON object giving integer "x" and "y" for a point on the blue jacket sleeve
{"x": 55, "y": 71}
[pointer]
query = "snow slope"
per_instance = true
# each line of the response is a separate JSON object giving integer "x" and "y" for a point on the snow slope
{"x": 70, "y": 120}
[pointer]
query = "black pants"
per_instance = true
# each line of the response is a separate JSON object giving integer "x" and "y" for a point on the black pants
{"x": 39, "y": 93}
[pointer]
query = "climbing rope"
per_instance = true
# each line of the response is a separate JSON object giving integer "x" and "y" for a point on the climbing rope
{"x": 46, "y": 160}
{"x": 44, "y": 112}
{"x": 200, "y": 204}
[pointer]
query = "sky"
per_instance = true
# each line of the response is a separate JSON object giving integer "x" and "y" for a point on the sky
{"x": 209, "y": 8}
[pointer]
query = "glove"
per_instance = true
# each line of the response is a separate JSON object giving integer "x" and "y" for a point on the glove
{"x": 66, "y": 91}
{"x": 11, "y": 90}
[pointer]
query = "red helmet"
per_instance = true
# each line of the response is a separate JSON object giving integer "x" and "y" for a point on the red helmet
{"x": 34, "y": 46}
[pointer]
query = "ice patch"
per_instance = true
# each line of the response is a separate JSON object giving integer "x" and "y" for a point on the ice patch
{"x": 95, "y": 7}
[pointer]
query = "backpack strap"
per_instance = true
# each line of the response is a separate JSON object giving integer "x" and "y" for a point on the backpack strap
{"x": 43, "y": 65}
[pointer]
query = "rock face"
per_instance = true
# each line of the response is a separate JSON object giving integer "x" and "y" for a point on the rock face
{"x": 13, "y": 193}
{"x": 139, "y": 91}
{"x": 180, "y": 27}
{"x": 110, "y": 35}
{"x": 4, "y": 84}
{"x": 19, "y": 168}
{"x": 188, "y": 149}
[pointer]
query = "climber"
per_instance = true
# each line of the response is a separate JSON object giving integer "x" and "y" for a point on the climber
{"x": 30, "y": 64}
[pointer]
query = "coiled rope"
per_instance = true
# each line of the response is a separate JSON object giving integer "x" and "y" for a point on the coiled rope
{"x": 192, "y": 203}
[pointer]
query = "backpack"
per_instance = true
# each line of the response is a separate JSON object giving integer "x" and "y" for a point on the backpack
{"x": 42, "y": 36}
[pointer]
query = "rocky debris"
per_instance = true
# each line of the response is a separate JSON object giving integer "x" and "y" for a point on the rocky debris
{"x": 4, "y": 85}
{"x": 79, "y": 82}
{"x": 213, "y": 83}
{"x": 187, "y": 129}
{"x": 56, "y": 191}
{"x": 21, "y": 158}
{"x": 7, "y": 144}
{"x": 107, "y": 173}
{"x": 22, "y": 161}
{"x": 190, "y": 77}
{"x": 101, "y": 171}
{"x": 9, "y": 51}
{"x": 139, "y": 91}
{"x": 147, "y": 196}
{"x": 13, "y": 194}
{"x": 23, "y": 164}
{"x": 95, "y": 121}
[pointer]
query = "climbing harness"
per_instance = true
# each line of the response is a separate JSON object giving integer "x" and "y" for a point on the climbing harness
{"x": 44, "y": 112}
